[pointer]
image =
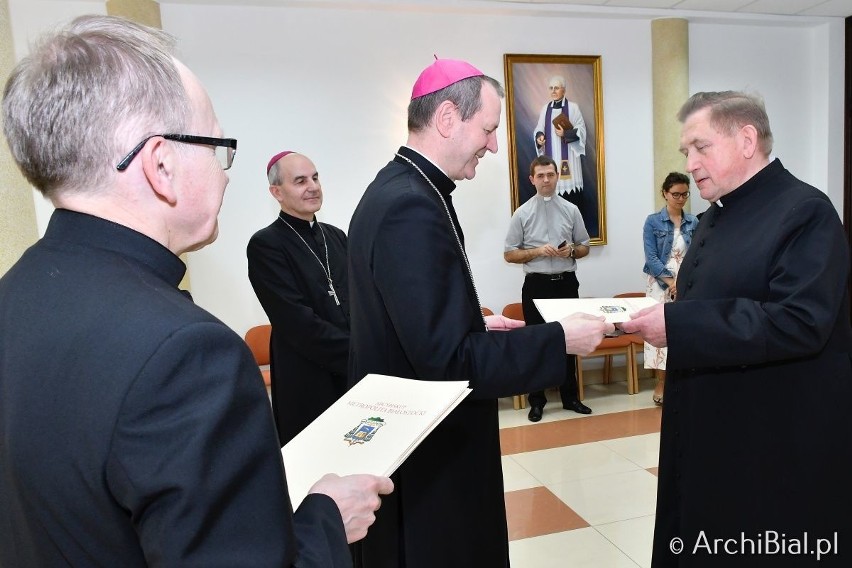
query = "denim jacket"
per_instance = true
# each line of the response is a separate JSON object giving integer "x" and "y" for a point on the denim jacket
{"x": 658, "y": 235}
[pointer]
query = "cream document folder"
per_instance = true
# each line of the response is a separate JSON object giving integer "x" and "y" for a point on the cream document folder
{"x": 615, "y": 310}
{"x": 370, "y": 429}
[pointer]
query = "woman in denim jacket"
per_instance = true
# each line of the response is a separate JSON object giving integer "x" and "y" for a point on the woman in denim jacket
{"x": 667, "y": 234}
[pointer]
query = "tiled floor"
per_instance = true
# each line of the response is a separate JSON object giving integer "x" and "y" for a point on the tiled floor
{"x": 581, "y": 490}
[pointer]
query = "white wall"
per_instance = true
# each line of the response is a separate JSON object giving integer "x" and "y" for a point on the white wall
{"x": 334, "y": 84}
{"x": 799, "y": 72}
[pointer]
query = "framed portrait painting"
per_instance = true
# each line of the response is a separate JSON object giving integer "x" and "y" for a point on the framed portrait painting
{"x": 554, "y": 107}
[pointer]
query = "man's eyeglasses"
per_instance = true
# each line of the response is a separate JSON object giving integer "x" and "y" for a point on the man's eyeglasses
{"x": 683, "y": 195}
{"x": 226, "y": 148}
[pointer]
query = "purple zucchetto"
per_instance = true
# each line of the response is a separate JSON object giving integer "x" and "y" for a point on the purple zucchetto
{"x": 275, "y": 158}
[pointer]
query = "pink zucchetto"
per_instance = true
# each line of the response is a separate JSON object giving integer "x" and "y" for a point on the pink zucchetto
{"x": 275, "y": 158}
{"x": 443, "y": 73}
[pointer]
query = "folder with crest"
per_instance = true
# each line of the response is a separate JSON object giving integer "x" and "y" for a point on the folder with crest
{"x": 370, "y": 429}
{"x": 615, "y": 310}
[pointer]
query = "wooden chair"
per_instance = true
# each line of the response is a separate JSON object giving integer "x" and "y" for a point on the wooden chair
{"x": 257, "y": 339}
{"x": 618, "y": 345}
{"x": 516, "y": 311}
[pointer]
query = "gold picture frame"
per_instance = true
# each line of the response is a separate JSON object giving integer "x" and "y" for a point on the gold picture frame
{"x": 527, "y": 96}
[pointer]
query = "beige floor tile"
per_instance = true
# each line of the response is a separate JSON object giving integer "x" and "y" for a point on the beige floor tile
{"x": 643, "y": 450}
{"x": 633, "y": 537}
{"x": 569, "y": 471}
{"x": 516, "y": 477}
{"x": 609, "y": 498}
{"x": 570, "y": 463}
{"x": 580, "y": 548}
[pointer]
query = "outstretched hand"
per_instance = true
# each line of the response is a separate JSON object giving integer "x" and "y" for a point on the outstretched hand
{"x": 584, "y": 332}
{"x": 650, "y": 324}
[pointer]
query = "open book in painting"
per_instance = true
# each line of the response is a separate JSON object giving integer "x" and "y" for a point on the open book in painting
{"x": 615, "y": 310}
{"x": 370, "y": 429}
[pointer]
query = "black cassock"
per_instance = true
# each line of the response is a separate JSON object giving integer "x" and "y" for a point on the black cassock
{"x": 310, "y": 331}
{"x": 756, "y": 436}
{"x": 415, "y": 315}
{"x": 135, "y": 427}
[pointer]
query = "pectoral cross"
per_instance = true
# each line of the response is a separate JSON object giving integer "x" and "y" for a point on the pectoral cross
{"x": 331, "y": 292}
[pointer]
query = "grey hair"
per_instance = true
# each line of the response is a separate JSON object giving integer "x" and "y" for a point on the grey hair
{"x": 274, "y": 175}
{"x": 465, "y": 94}
{"x": 730, "y": 111}
{"x": 558, "y": 79}
{"x": 85, "y": 95}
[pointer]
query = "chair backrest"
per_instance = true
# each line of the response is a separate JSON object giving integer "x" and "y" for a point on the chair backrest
{"x": 258, "y": 341}
{"x": 514, "y": 311}
{"x": 486, "y": 311}
{"x": 630, "y": 295}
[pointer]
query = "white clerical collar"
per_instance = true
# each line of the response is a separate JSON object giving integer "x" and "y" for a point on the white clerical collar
{"x": 772, "y": 158}
{"x": 425, "y": 157}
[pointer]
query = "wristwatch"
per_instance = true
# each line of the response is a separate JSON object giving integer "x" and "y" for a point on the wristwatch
{"x": 573, "y": 250}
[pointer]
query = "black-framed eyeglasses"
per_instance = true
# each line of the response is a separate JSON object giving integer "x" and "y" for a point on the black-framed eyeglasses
{"x": 226, "y": 148}
{"x": 683, "y": 195}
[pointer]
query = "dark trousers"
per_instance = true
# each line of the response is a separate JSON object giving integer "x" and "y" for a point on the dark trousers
{"x": 564, "y": 285}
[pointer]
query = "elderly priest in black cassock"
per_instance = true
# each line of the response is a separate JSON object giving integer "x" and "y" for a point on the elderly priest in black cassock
{"x": 756, "y": 438}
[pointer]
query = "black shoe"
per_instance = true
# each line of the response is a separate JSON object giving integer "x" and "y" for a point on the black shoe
{"x": 576, "y": 406}
{"x": 535, "y": 413}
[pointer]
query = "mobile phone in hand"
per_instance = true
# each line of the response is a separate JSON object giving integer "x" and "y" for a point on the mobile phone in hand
{"x": 563, "y": 244}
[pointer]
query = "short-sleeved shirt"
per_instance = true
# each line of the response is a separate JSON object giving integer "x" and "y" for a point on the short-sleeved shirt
{"x": 543, "y": 220}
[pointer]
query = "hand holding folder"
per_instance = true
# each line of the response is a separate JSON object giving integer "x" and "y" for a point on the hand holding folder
{"x": 370, "y": 429}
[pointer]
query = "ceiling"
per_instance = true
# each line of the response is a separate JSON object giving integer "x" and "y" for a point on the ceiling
{"x": 833, "y": 8}
{"x": 680, "y": 8}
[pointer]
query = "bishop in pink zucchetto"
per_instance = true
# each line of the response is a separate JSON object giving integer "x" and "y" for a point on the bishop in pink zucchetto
{"x": 443, "y": 73}
{"x": 415, "y": 313}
